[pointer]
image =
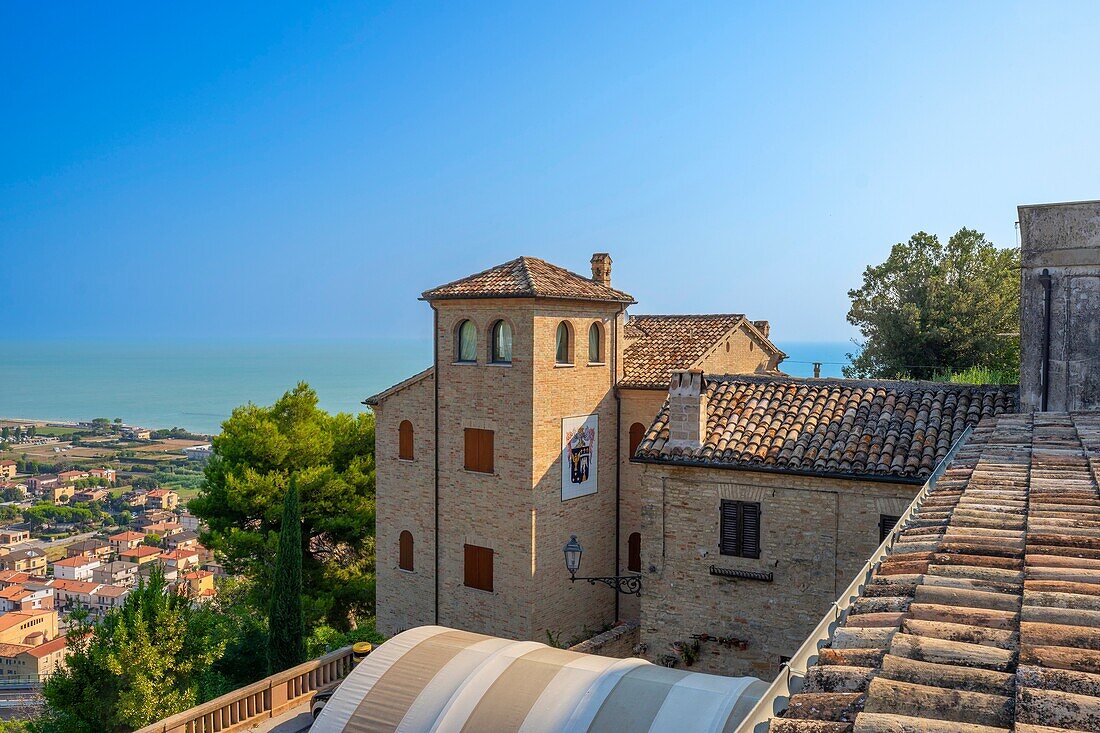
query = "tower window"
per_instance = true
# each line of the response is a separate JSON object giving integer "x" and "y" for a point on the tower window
{"x": 739, "y": 534}
{"x": 501, "y": 348}
{"x": 564, "y": 352}
{"x": 466, "y": 342}
{"x": 595, "y": 344}
{"x": 405, "y": 441}
{"x": 405, "y": 551}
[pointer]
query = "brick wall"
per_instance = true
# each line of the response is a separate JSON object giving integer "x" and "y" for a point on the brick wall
{"x": 739, "y": 353}
{"x": 815, "y": 534}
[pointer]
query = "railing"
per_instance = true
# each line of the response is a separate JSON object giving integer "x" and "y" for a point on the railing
{"x": 268, "y": 698}
{"x": 793, "y": 674}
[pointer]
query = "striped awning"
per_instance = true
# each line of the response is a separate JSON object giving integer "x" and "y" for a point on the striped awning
{"x": 437, "y": 679}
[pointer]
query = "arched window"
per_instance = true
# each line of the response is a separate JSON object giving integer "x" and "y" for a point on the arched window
{"x": 466, "y": 342}
{"x": 637, "y": 432}
{"x": 405, "y": 551}
{"x": 595, "y": 351}
{"x": 563, "y": 354}
{"x": 405, "y": 440}
{"x": 501, "y": 349}
{"x": 634, "y": 552}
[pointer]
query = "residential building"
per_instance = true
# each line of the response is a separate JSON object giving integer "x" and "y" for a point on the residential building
{"x": 152, "y": 516}
{"x": 62, "y": 493}
{"x": 33, "y": 663}
{"x": 108, "y": 474}
{"x": 41, "y": 484}
{"x": 165, "y": 499}
{"x": 14, "y": 535}
{"x": 13, "y": 577}
{"x": 163, "y": 529}
{"x": 180, "y": 559}
{"x": 28, "y": 561}
{"x": 119, "y": 572}
{"x": 190, "y": 521}
{"x": 185, "y": 540}
{"x": 135, "y": 499}
{"x": 93, "y": 548}
{"x": 76, "y": 567}
{"x": 145, "y": 571}
{"x": 7, "y": 469}
{"x": 68, "y": 594}
{"x": 141, "y": 554}
{"x": 198, "y": 584}
{"x": 199, "y": 453}
{"x": 68, "y": 477}
{"x": 20, "y": 598}
{"x": 132, "y": 433}
{"x": 88, "y": 495}
{"x": 107, "y": 597}
{"x": 127, "y": 540}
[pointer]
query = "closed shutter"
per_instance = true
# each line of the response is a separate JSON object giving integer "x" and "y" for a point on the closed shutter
{"x": 728, "y": 541}
{"x": 750, "y": 529}
{"x": 886, "y": 524}
{"x": 470, "y": 454}
{"x": 478, "y": 567}
{"x": 405, "y": 551}
{"x": 485, "y": 451}
{"x": 405, "y": 441}
{"x": 637, "y": 433}
{"x": 634, "y": 553}
{"x": 470, "y": 567}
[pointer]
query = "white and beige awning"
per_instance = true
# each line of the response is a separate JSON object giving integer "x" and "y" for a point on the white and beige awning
{"x": 437, "y": 679}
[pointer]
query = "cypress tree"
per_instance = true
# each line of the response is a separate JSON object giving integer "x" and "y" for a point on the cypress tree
{"x": 286, "y": 645}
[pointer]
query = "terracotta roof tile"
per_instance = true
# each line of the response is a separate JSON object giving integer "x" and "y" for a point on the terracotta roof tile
{"x": 855, "y": 427}
{"x": 527, "y": 277}
{"x": 984, "y": 614}
{"x": 658, "y": 345}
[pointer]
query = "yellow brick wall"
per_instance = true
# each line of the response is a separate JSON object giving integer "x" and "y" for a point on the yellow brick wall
{"x": 738, "y": 353}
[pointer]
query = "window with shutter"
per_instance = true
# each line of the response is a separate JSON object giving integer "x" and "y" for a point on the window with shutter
{"x": 405, "y": 441}
{"x": 739, "y": 530}
{"x": 637, "y": 433}
{"x": 405, "y": 551}
{"x": 478, "y": 570}
{"x": 634, "y": 552}
{"x": 478, "y": 450}
{"x": 886, "y": 524}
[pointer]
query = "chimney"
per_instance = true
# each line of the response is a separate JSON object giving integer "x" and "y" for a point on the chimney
{"x": 763, "y": 327}
{"x": 601, "y": 268}
{"x": 687, "y": 410}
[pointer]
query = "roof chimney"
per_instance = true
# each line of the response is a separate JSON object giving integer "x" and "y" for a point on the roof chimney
{"x": 687, "y": 410}
{"x": 601, "y": 268}
{"x": 763, "y": 327}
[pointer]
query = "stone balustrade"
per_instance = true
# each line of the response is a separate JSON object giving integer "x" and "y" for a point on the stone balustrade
{"x": 268, "y": 698}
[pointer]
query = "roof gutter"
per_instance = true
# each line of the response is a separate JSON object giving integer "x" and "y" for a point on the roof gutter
{"x": 793, "y": 673}
{"x": 875, "y": 478}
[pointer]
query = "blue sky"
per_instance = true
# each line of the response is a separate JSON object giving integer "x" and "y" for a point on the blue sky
{"x": 292, "y": 170}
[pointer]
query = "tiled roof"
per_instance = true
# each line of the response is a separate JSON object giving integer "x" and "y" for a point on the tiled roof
{"x": 984, "y": 616}
{"x": 659, "y": 345}
{"x": 49, "y": 647}
{"x": 853, "y": 427}
{"x": 527, "y": 277}
{"x": 140, "y": 551}
{"x": 126, "y": 537}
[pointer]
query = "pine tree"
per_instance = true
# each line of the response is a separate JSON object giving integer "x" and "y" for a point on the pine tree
{"x": 286, "y": 623}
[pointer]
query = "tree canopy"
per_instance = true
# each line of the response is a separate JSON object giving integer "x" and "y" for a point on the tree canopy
{"x": 331, "y": 458}
{"x": 931, "y": 308}
{"x": 286, "y": 634}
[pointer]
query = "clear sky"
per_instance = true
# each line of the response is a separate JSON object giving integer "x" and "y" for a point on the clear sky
{"x": 305, "y": 170}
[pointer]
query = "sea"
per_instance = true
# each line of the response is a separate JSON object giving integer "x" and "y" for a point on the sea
{"x": 196, "y": 385}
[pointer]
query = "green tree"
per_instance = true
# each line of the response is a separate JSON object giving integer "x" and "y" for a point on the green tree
{"x": 5, "y": 432}
{"x": 145, "y": 483}
{"x": 286, "y": 630}
{"x": 332, "y": 459}
{"x": 145, "y": 661}
{"x": 152, "y": 540}
{"x": 931, "y": 308}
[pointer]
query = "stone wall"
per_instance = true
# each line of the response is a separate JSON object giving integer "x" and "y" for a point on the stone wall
{"x": 815, "y": 534}
{"x": 1063, "y": 239}
{"x": 618, "y": 642}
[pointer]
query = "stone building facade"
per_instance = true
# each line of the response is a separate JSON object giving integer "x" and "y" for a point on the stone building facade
{"x": 476, "y": 494}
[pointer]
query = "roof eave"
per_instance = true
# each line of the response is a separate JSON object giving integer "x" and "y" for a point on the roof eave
{"x": 426, "y": 297}
{"x": 868, "y": 477}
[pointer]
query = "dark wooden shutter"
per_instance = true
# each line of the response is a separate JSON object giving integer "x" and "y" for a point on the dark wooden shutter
{"x": 405, "y": 440}
{"x": 637, "y": 432}
{"x": 729, "y": 537}
{"x": 750, "y": 529}
{"x": 886, "y": 524}
{"x": 485, "y": 451}
{"x": 634, "y": 553}
{"x": 470, "y": 454}
{"x": 485, "y": 569}
{"x": 470, "y": 566}
{"x": 405, "y": 551}
{"x": 478, "y": 567}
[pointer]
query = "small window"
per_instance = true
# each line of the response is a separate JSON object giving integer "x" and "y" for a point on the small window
{"x": 637, "y": 433}
{"x": 405, "y": 441}
{"x": 479, "y": 450}
{"x": 478, "y": 572}
{"x": 740, "y": 529}
{"x": 405, "y": 551}
{"x": 595, "y": 352}
{"x": 634, "y": 552}
{"x": 501, "y": 349}
{"x": 466, "y": 342}
{"x": 886, "y": 524}
{"x": 563, "y": 354}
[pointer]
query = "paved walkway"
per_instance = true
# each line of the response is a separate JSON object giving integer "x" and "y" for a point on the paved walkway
{"x": 294, "y": 720}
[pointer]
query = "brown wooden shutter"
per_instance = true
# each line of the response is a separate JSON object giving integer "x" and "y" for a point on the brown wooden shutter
{"x": 470, "y": 455}
{"x": 728, "y": 539}
{"x": 485, "y": 451}
{"x": 750, "y": 529}
{"x": 405, "y": 551}
{"x": 470, "y": 566}
{"x": 637, "y": 433}
{"x": 478, "y": 567}
{"x": 634, "y": 553}
{"x": 405, "y": 440}
{"x": 485, "y": 569}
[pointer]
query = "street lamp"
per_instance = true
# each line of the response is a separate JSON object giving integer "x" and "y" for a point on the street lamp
{"x": 629, "y": 584}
